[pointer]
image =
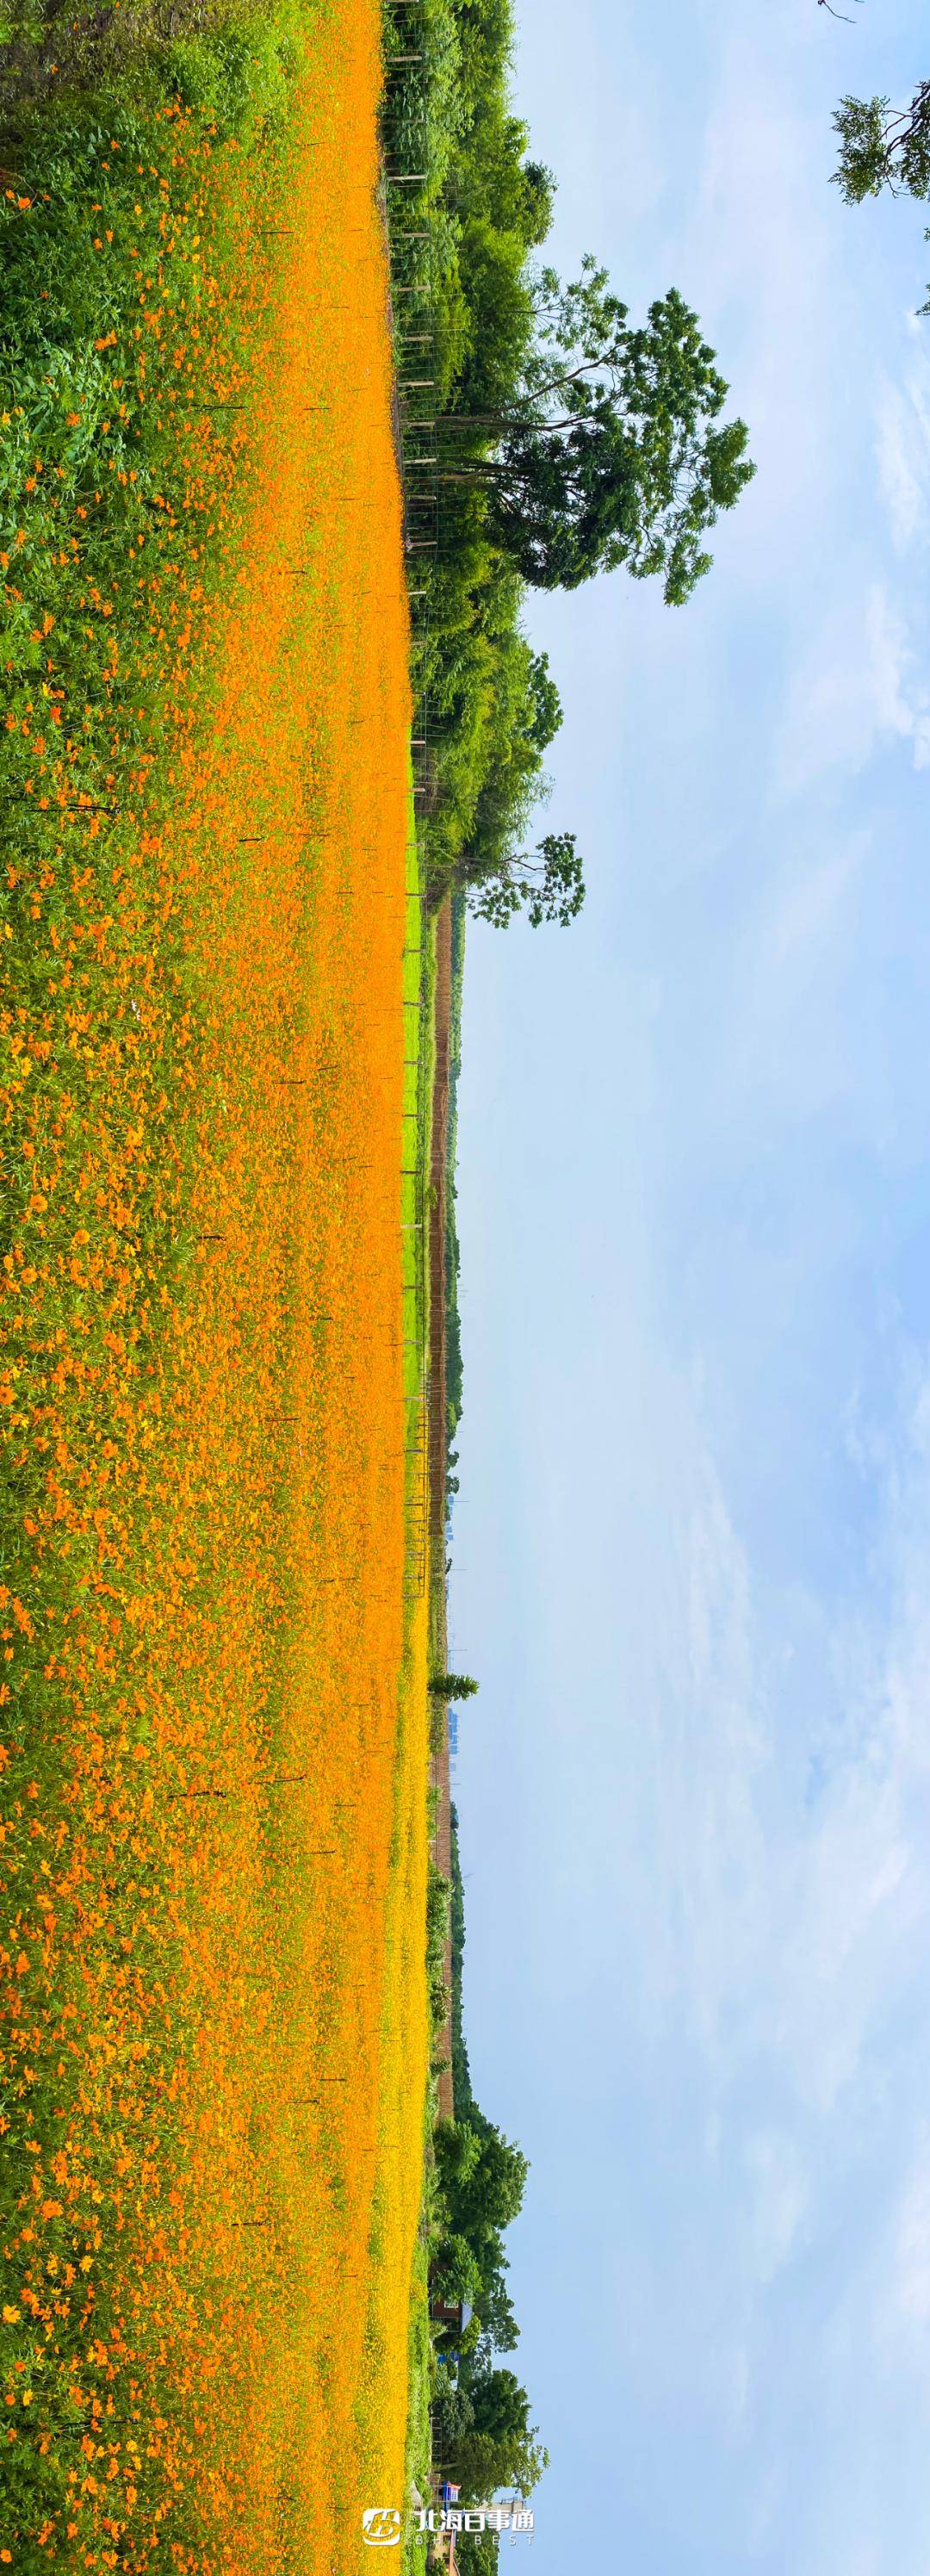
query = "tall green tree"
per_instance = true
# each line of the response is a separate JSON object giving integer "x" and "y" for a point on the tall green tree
{"x": 500, "y": 2407}
{"x": 499, "y": 2331}
{"x": 613, "y": 451}
{"x": 483, "y": 2178}
{"x": 483, "y": 2463}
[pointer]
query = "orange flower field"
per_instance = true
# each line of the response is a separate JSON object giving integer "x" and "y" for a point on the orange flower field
{"x": 215, "y": 2033}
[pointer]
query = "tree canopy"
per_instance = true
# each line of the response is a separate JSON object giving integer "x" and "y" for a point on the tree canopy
{"x": 883, "y": 147}
{"x": 612, "y": 450}
{"x": 483, "y": 2177}
{"x": 550, "y": 884}
{"x": 569, "y": 442}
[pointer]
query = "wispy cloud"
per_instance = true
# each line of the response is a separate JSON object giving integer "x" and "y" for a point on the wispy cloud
{"x": 842, "y": 1888}
{"x": 699, "y": 1793}
{"x": 860, "y": 686}
{"x": 902, "y": 444}
{"x": 778, "y": 2192}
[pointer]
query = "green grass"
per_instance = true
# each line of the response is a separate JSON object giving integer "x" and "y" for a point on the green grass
{"x": 123, "y": 371}
{"x": 421, "y": 2380}
{"x": 224, "y": 56}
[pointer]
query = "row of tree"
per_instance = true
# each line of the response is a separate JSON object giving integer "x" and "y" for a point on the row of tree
{"x": 569, "y": 443}
{"x": 483, "y": 2433}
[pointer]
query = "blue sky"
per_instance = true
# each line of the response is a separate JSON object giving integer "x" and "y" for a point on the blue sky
{"x": 692, "y": 1542}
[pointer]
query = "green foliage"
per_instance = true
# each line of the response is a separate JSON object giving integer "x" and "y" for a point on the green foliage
{"x": 477, "y": 2553}
{"x": 493, "y": 707}
{"x": 236, "y": 79}
{"x": 453, "y": 1686}
{"x": 461, "y": 2074}
{"x": 95, "y": 483}
{"x": 487, "y": 206}
{"x": 500, "y": 2407}
{"x": 484, "y": 2464}
{"x": 569, "y": 444}
{"x": 483, "y": 2178}
{"x": 456, "y": 2273}
{"x": 438, "y": 1900}
{"x": 453, "y": 1326}
{"x": 89, "y": 215}
{"x": 551, "y": 885}
{"x": 220, "y": 57}
{"x": 883, "y": 147}
{"x": 484, "y": 2429}
{"x": 610, "y": 453}
{"x": 482, "y": 2413}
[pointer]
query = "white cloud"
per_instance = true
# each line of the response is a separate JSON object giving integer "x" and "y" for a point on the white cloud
{"x": 840, "y": 1892}
{"x": 772, "y": 1929}
{"x": 779, "y": 2191}
{"x": 722, "y": 1923}
{"x": 901, "y": 698}
{"x": 859, "y": 688}
{"x": 902, "y": 446}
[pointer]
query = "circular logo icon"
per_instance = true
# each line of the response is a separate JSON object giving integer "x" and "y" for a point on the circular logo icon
{"x": 380, "y": 2526}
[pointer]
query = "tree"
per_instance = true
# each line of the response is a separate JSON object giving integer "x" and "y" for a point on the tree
{"x": 483, "y": 2464}
{"x": 612, "y": 451}
{"x": 485, "y": 2431}
{"x": 483, "y": 2181}
{"x": 509, "y": 689}
{"x": 453, "y": 1686}
{"x": 500, "y": 2407}
{"x": 494, "y": 2309}
{"x": 455, "y": 2273}
{"x": 545, "y": 702}
{"x": 476, "y": 2553}
{"x": 458, "y": 2147}
{"x": 455, "y": 2415}
{"x": 883, "y": 147}
{"x": 551, "y": 884}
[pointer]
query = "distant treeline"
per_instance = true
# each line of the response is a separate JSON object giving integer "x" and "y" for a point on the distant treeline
{"x": 483, "y": 2432}
{"x": 492, "y": 705}
{"x": 566, "y": 442}
{"x": 453, "y": 1321}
